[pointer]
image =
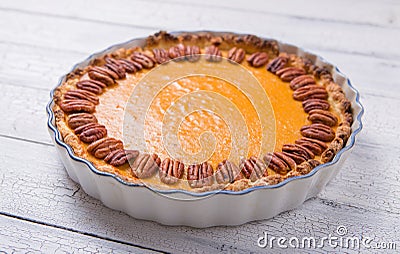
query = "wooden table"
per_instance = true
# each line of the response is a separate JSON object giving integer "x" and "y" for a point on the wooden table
{"x": 43, "y": 210}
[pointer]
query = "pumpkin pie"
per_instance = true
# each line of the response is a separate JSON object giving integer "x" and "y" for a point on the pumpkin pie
{"x": 311, "y": 114}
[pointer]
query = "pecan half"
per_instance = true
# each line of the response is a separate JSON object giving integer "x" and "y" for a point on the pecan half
{"x": 161, "y": 56}
{"x": 236, "y": 54}
{"x": 318, "y": 131}
{"x": 91, "y": 132}
{"x": 120, "y": 156}
{"x": 130, "y": 66}
{"x": 279, "y": 162}
{"x": 79, "y": 94}
{"x": 289, "y": 73}
{"x": 323, "y": 73}
{"x": 91, "y": 85}
{"x": 297, "y": 152}
{"x": 79, "y": 119}
{"x": 144, "y": 60}
{"x": 171, "y": 171}
{"x": 75, "y": 106}
{"x": 300, "y": 81}
{"x": 116, "y": 67}
{"x": 322, "y": 116}
{"x": 102, "y": 147}
{"x": 312, "y": 103}
{"x": 213, "y": 54}
{"x": 249, "y": 39}
{"x": 314, "y": 145}
{"x": 253, "y": 168}
{"x": 103, "y": 75}
{"x": 277, "y": 64}
{"x": 177, "y": 51}
{"x": 145, "y": 165}
{"x": 192, "y": 53}
{"x": 332, "y": 150}
{"x": 200, "y": 175}
{"x": 258, "y": 59}
{"x": 227, "y": 172}
{"x": 311, "y": 91}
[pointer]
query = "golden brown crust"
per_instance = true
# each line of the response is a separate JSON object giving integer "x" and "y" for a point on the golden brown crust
{"x": 250, "y": 43}
{"x": 306, "y": 167}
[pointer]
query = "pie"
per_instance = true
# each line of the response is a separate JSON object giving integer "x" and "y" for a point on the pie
{"x": 312, "y": 115}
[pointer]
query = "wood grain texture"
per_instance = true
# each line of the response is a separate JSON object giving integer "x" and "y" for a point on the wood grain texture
{"x": 19, "y": 236}
{"x": 61, "y": 33}
{"x": 36, "y": 67}
{"x": 369, "y": 13}
{"x": 97, "y": 21}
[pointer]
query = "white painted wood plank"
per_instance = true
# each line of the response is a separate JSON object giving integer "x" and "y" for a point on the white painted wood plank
{"x": 375, "y": 13}
{"x": 370, "y": 180}
{"x": 31, "y": 66}
{"x": 369, "y": 13}
{"x": 18, "y": 236}
{"x": 64, "y": 34}
{"x": 41, "y": 190}
{"x": 23, "y": 113}
{"x": 72, "y": 32}
{"x": 372, "y": 75}
{"x": 38, "y": 61}
{"x": 37, "y": 67}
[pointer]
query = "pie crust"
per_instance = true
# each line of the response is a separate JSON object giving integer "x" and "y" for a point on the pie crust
{"x": 88, "y": 116}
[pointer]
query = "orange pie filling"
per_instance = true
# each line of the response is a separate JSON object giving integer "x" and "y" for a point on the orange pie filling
{"x": 202, "y": 132}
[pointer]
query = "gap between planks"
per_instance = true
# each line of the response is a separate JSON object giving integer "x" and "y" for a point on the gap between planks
{"x": 71, "y": 230}
{"x": 37, "y": 222}
{"x": 283, "y": 10}
{"x": 75, "y": 18}
{"x": 26, "y": 140}
{"x": 198, "y": 24}
{"x": 229, "y": 5}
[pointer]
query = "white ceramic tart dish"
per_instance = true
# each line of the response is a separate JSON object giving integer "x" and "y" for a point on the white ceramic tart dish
{"x": 312, "y": 140}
